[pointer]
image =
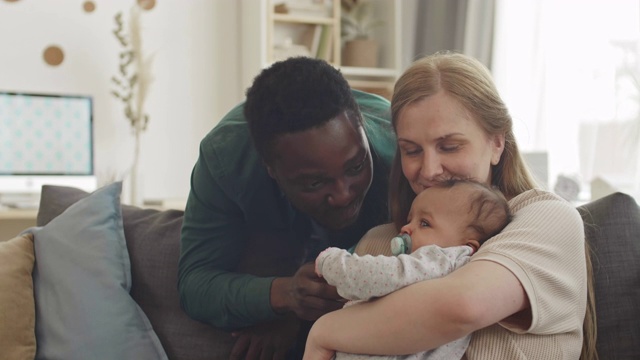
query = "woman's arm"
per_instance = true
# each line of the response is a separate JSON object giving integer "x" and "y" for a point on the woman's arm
{"x": 477, "y": 295}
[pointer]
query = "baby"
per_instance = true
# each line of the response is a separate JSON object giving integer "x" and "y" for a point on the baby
{"x": 447, "y": 224}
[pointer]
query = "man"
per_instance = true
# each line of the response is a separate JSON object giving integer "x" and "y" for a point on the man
{"x": 300, "y": 166}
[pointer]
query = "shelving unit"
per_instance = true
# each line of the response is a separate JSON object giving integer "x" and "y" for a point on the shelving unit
{"x": 313, "y": 33}
{"x": 268, "y": 35}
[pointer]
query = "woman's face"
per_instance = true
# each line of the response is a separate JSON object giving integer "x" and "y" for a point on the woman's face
{"x": 439, "y": 139}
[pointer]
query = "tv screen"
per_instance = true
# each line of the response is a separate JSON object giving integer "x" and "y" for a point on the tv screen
{"x": 45, "y": 139}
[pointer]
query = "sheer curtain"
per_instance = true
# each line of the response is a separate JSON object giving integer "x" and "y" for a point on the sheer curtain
{"x": 569, "y": 70}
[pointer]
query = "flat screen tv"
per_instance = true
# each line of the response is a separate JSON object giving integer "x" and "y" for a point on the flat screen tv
{"x": 45, "y": 139}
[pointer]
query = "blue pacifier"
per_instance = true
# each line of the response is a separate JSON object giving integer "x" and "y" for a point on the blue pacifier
{"x": 401, "y": 244}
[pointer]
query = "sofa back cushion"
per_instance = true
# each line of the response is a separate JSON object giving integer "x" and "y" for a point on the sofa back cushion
{"x": 153, "y": 242}
{"x": 612, "y": 227}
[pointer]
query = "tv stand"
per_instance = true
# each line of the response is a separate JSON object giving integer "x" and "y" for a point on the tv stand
{"x": 14, "y": 221}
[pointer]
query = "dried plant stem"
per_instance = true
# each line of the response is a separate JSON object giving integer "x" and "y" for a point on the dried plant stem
{"x": 131, "y": 84}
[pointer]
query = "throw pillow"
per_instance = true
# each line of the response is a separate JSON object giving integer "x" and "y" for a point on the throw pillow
{"x": 82, "y": 280}
{"x": 17, "y": 309}
{"x": 153, "y": 241}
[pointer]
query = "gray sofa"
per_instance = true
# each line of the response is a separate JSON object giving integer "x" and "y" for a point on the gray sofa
{"x": 612, "y": 225}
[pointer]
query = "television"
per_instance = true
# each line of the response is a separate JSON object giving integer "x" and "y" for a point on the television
{"x": 45, "y": 139}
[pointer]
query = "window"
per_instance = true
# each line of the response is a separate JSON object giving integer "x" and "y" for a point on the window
{"x": 569, "y": 71}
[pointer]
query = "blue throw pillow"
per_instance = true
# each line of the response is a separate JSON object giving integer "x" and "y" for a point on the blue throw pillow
{"x": 82, "y": 278}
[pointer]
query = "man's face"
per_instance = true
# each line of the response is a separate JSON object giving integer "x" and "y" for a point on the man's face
{"x": 325, "y": 172}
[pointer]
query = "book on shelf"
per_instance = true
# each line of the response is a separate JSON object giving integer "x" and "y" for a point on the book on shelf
{"x": 325, "y": 45}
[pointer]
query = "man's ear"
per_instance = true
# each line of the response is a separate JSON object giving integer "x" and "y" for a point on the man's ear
{"x": 475, "y": 244}
{"x": 270, "y": 170}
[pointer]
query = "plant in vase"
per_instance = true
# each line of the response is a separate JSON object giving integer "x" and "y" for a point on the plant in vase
{"x": 357, "y": 24}
{"x": 132, "y": 85}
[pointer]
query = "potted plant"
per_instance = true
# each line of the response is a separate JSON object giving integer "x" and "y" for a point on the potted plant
{"x": 357, "y": 24}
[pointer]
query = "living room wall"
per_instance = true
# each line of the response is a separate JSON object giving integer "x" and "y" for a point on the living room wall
{"x": 194, "y": 69}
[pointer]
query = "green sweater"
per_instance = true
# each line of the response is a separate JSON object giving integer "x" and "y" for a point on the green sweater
{"x": 232, "y": 199}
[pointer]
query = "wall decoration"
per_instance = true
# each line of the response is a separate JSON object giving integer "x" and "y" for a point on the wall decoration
{"x": 53, "y": 55}
{"x": 89, "y": 6}
{"x": 132, "y": 84}
{"x": 147, "y": 4}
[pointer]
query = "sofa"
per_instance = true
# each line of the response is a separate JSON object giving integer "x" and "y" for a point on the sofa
{"x": 151, "y": 249}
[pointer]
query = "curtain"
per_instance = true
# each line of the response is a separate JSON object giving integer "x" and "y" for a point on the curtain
{"x": 569, "y": 73}
{"x": 459, "y": 25}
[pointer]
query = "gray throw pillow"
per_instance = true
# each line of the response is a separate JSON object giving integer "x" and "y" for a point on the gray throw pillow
{"x": 153, "y": 241}
{"x": 612, "y": 227}
{"x": 81, "y": 281}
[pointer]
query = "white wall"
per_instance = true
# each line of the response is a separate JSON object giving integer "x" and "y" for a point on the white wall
{"x": 195, "y": 69}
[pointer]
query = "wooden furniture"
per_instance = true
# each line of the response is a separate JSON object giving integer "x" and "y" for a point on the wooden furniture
{"x": 13, "y": 221}
{"x": 268, "y": 34}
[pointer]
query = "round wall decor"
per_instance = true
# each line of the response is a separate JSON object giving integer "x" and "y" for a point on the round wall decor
{"x": 89, "y": 6}
{"x": 53, "y": 55}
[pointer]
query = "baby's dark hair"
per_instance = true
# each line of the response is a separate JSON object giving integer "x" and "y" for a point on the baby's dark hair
{"x": 489, "y": 208}
{"x": 295, "y": 95}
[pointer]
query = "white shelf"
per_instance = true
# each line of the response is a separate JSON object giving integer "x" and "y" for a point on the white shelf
{"x": 263, "y": 29}
{"x": 317, "y": 20}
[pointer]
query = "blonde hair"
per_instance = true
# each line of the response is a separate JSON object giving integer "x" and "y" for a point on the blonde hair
{"x": 469, "y": 82}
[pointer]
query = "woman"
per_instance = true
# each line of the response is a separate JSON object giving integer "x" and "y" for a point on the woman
{"x": 524, "y": 293}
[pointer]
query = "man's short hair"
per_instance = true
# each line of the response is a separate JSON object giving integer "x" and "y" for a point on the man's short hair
{"x": 295, "y": 95}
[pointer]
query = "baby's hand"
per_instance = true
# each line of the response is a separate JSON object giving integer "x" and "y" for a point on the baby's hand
{"x": 320, "y": 260}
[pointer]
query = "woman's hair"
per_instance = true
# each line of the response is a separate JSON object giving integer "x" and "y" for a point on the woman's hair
{"x": 469, "y": 82}
{"x": 295, "y": 95}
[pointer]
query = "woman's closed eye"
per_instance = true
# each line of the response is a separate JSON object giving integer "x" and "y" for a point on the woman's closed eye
{"x": 411, "y": 151}
{"x": 449, "y": 148}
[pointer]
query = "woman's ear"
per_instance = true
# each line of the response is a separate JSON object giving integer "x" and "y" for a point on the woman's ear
{"x": 497, "y": 147}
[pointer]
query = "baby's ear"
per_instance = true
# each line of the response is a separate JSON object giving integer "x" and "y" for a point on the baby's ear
{"x": 475, "y": 244}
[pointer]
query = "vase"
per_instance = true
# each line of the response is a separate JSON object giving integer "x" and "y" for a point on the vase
{"x": 360, "y": 53}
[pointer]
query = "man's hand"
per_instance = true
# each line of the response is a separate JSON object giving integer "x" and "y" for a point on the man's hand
{"x": 269, "y": 340}
{"x": 306, "y": 294}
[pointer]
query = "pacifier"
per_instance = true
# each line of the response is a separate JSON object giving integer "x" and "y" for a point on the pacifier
{"x": 401, "y": 244}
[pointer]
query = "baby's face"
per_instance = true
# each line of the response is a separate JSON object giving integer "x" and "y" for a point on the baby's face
{"x": 439, "y": 216}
